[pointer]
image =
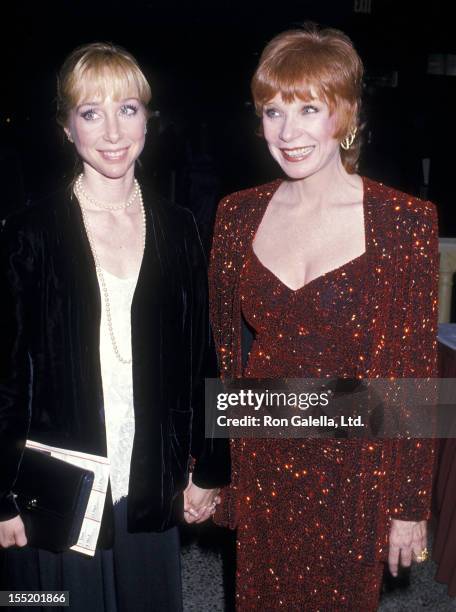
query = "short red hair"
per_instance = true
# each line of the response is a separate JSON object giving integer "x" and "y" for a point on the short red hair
{"x": 312, "y": 61}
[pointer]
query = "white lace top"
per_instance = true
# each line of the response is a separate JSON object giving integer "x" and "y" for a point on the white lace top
{"x": 117, "y": 381}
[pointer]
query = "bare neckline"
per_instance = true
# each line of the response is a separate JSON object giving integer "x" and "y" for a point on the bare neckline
{"x": 313, "y": 280}
{"x": 333, "y": 270}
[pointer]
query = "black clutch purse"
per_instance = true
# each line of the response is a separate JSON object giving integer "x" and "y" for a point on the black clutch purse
{"x": 52, "y": 496}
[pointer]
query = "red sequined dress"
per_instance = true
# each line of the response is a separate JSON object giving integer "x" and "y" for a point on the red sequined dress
{"x": 313, "y": 515}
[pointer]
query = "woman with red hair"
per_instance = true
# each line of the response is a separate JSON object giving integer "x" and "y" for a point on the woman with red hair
{"x": 335, "y": 276}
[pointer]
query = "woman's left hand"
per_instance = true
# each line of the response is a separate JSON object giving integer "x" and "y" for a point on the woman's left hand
{"x": 407, "y": 542}
{"x": 199, "y": 504}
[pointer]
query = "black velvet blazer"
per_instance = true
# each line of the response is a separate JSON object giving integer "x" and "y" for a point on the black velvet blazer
{"x": 50, "y": 378}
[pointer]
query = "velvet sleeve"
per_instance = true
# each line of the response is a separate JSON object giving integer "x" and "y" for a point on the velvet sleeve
{"x": 212, "y": 462}
{"x": 415, "y": 330}
{"x": 16, "y": 265}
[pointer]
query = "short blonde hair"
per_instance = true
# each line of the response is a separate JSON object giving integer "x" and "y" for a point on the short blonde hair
{"x": 99, "y": 69}
{"x": 312, "y": 61}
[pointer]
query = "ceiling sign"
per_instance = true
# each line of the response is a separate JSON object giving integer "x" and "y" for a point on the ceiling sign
{"x": 362, "y": 6}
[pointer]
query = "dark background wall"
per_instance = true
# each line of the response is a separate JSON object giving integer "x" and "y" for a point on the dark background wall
{"x": 199, "y": 57}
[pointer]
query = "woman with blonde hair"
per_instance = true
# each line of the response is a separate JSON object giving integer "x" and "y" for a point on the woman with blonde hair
{"x": 335, "y": 276}
{"x": 105, "y": 345}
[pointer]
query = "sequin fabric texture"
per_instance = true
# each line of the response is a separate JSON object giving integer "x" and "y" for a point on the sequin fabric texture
{"x": 313, "y": 515}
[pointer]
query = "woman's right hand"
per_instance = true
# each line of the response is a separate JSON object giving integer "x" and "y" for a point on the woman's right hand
{"x": 12, "y": 533}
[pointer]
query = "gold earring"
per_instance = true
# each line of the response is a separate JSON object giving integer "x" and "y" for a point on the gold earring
{"x": 347, "y": 142}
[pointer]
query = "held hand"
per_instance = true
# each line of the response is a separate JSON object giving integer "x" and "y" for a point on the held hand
{"x": 407, "y": 542}
{"x": 12, "y": 533}
{"x": 199, "y": 504}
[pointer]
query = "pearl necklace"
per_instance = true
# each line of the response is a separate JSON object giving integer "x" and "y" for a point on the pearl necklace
{"x": 134, "y": 194}
{"x": 78, "y": 191}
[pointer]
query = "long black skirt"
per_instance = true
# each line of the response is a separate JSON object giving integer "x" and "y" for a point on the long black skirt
{"x": 140, "y": 573}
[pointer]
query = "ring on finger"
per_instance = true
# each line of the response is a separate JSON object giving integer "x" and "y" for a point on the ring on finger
{"x": 423, "y": 556}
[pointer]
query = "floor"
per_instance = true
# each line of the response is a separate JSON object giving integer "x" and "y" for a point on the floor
{"x": 204, "y": 591}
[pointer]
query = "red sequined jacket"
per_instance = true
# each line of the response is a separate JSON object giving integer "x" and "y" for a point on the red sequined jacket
{"x": 404, "y": 275}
